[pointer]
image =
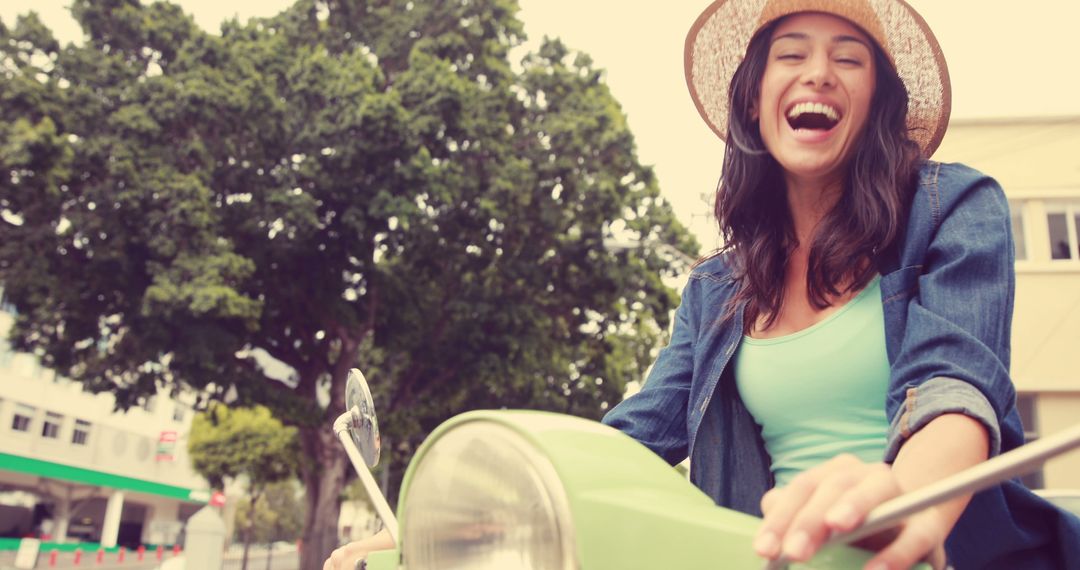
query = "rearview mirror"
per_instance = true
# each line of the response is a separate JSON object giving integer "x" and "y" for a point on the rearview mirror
{"x": 358, "y": 431}
{"x": 363, "y": 425}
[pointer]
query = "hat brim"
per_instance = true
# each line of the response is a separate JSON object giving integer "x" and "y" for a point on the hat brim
{"x": 717, "y": 43}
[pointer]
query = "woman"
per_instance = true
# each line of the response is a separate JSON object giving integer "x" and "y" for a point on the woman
{"x": 850, "y": 341}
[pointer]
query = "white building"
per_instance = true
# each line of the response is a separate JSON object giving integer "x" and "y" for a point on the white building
{"x": 72, "y": 468}
{"x": 356, "y": 520}
{"x": 1037, "y": 162}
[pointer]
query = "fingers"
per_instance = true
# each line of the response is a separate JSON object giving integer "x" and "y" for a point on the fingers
{"x": 335, "y": 562}
{"x": 921, "y": 536}
{"x": 808, "y": 530}
{"x": 345, "y": 557}
{"x": 850, "y": 509}
{"x": 835, "y": 496}
{"x": 780, "y": 506}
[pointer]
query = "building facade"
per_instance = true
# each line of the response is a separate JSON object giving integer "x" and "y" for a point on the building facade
{"x": 1037, "y": 162}
{"x": 73, "y": 468}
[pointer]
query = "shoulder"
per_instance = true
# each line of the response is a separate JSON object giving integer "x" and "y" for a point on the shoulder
{"x": 944, "y": 187}
{"x": 715, "y": 268}
{"x": 954, "y": 178}
{"x": 711, "y": 282}
{"x": 708, "y": 290}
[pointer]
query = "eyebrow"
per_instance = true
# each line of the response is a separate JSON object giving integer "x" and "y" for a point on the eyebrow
{"x": 835, "y": 39}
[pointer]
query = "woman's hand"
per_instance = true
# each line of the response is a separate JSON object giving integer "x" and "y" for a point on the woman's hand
{"x": 836, "y": 497}
{"x": 347, "y": 556}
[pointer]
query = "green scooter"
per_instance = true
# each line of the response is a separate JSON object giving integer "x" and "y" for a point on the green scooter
{"x": 527, "y": 490}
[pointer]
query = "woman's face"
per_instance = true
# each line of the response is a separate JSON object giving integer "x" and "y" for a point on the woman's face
{"x": 815, "y": 94}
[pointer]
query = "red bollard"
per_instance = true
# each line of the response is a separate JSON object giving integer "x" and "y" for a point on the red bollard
{"x": 141, "y": 552}
{"x": 100, "y": 556}
{"x": 120, "y": 554}
{"x": 299, "y": 544}
{"x": 52, "y": 558}
{"x": 176, "y": 550}
{"x": 160, "y": 549}
{"x": 78, "y": 556}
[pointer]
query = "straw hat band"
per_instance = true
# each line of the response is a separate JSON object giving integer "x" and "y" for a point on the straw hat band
{"x": 718, "y": 40}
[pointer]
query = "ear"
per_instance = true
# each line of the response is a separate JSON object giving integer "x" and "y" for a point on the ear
{"x": 755, "y": 110}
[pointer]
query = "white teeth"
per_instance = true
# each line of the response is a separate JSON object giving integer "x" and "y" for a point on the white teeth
{"x": 818, "y": 108}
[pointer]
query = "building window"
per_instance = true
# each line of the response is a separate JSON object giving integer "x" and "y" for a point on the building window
{"x": 24, "y": 415}
{"x": 179, "y": 412}
{"x": 81, "y": 432}
{"x": 1016, "y": 213}
{"x": 51, "y": 427}
{"x": 1062, "y": 220}
{"x": 1026, "y": 406}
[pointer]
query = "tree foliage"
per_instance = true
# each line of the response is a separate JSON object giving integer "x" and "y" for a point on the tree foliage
{"x": 229, "y": 443}
{"x": 250, "y": 443}
{"x": 348, "y": 183}
{"x": 278, "y": 514}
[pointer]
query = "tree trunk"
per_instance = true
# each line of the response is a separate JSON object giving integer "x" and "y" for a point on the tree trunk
{"x": 228, "y": 512}
{"x": 270, "y": 546}
{"x": 384, "y": 477}
{"x": 249, "y": 531}
{"x": 324, "y": 479}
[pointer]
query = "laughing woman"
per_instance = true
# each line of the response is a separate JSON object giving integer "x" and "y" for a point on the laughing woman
{"x": 850, "y": 341}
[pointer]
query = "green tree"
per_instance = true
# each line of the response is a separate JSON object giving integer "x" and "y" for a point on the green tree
{"x": 347, "y": 183}
{"x": 278, "y": 515}
{"x": 231, "y": 443}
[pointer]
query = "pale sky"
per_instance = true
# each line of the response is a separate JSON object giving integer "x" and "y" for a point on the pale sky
{"x": 1004, "y": 62}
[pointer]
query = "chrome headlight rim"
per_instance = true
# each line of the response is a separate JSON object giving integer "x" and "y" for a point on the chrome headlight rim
{"x": 548, "y": 480}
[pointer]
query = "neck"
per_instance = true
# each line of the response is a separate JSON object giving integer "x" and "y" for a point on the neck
{"x": 809, "y": 200}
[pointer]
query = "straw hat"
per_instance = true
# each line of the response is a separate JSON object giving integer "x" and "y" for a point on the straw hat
{"x": 718, "y": 40}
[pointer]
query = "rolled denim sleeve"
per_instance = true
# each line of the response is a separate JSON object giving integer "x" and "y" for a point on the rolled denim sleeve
{"x": 954, "y": 357}
{"x": 656, "y": 416}
{"x": 939, "y": 396}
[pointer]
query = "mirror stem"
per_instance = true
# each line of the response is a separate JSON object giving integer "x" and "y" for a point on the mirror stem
{"x": 382, "y": 508}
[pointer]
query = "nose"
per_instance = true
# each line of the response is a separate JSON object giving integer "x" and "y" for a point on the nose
{"x": 819, "y": 71}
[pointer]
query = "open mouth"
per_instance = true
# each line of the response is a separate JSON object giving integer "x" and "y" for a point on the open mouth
{"x": 813, "y": 116}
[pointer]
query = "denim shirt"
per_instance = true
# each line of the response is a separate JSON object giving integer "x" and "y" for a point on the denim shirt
{"x": 947, "y": 295}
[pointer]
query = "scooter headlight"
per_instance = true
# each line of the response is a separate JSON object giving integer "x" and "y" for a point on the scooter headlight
{"x": 484, "y": 497}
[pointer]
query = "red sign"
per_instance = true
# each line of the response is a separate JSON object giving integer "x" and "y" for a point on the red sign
{"x": 217, "y": 499}
{"x": 166, "y": 445}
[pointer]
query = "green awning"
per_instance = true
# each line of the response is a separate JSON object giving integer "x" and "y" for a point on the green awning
{"x": 97, "y": 478}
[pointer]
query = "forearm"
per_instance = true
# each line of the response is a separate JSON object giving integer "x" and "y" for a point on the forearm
{"x": 948, "y": 444}
{"x": 345, "y": 557}
{"x": 378, "y": 541}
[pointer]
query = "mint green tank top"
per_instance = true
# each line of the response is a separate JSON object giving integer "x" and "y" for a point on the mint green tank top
{"x": 821, "y": 391}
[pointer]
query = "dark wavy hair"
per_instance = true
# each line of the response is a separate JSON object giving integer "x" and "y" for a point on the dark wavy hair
{"x": 751, "y": 205}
